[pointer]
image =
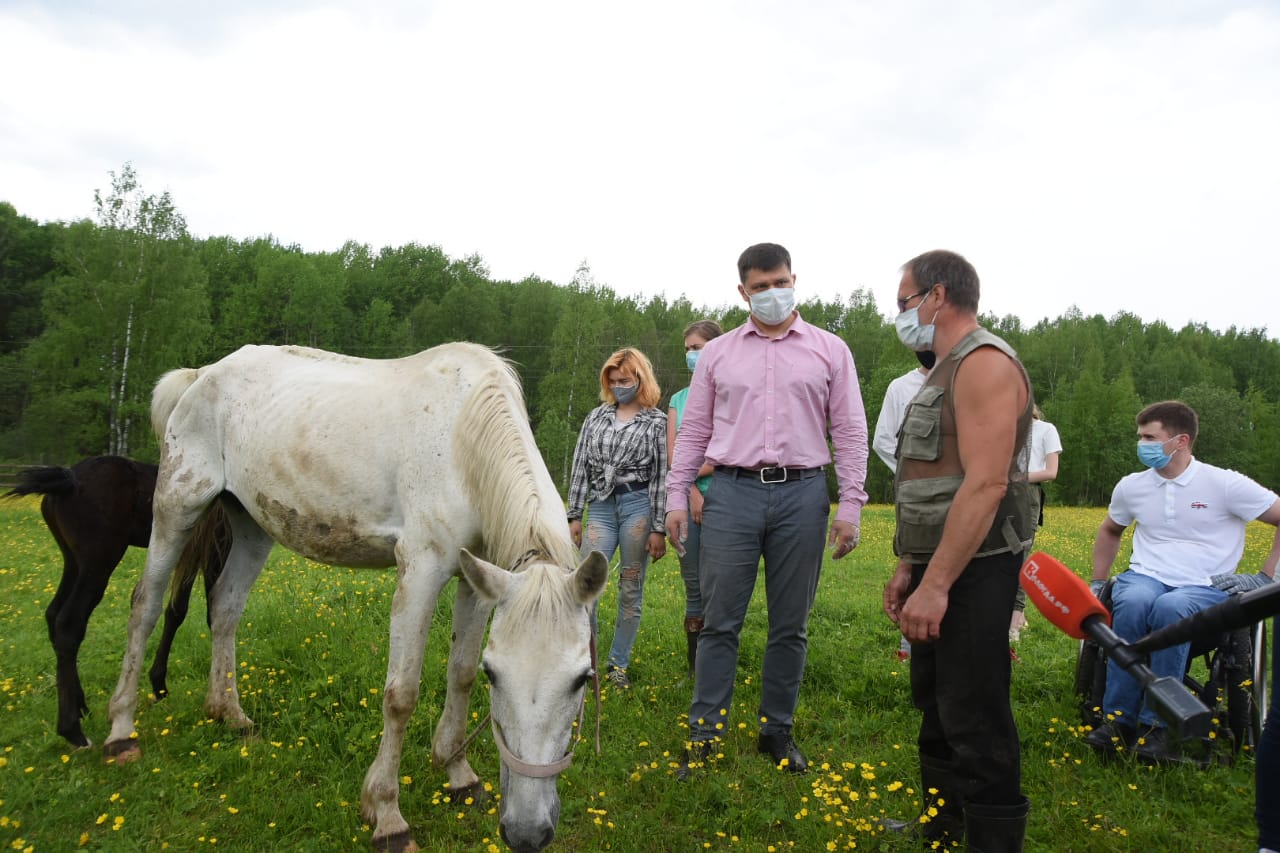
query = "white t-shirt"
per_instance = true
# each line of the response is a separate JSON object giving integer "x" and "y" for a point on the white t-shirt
{"x": 897, "y": 397}
{"x": 1044, "y": 440}
{"x": 1189, "y": 528}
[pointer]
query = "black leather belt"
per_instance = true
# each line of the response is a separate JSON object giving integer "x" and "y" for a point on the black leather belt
{"x": 771, "y": 474}
{"x": 630, "y": 487}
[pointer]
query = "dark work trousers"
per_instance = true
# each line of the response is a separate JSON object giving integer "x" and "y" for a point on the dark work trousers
{"x": 743, "y": 520}
{"x": 960, "y": 683}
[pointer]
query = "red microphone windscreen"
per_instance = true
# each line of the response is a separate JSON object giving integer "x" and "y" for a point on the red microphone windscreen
{"x": 1060, "y": 594}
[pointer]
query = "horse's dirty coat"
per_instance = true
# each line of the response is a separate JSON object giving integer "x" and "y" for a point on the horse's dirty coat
{"x": 375, "y": 463}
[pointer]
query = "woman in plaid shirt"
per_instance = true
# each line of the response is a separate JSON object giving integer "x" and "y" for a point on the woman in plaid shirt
{"x": 620, "y": 466}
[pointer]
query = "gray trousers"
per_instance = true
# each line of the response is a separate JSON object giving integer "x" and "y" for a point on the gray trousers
{"x": 743, "y": 520}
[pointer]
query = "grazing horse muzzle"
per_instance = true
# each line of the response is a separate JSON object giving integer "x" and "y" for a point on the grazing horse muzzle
{"x": 530, "y": 810}
{"x": 521, "y": 830}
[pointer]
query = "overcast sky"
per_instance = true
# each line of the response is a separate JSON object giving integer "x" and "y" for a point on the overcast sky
{"x": 1108, "y": 155}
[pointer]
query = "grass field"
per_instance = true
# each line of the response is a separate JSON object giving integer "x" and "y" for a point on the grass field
{"x": 312, "y": 650}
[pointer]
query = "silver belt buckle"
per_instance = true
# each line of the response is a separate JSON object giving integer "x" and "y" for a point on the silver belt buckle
{"x": 764, "y": 472}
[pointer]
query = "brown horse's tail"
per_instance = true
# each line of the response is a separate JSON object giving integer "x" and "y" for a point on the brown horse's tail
{"x": 206, "y": 552}
{"x": 43, "y": 480}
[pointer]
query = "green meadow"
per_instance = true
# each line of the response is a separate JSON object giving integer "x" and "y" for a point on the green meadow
{"x": 312, "y": 660}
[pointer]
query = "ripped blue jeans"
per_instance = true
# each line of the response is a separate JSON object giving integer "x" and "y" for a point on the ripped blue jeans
{"x": 621, "y": 522}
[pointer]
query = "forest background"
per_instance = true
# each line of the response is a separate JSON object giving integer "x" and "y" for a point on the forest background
{"x": 92, "y": 312}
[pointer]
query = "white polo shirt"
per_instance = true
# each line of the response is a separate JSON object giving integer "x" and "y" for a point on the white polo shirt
{"x": 1189, "y": 528}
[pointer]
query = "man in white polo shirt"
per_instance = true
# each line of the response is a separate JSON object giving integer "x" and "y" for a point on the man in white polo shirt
{"x": 1191, "y": 520}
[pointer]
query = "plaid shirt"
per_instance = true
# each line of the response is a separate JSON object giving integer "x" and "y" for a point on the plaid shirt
{"x": 630, "y": 452}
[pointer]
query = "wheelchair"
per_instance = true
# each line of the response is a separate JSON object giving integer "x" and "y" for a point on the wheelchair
{"x": 1234, "y": 686}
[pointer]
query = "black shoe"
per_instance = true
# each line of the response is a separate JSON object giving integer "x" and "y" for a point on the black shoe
{"x": 1153, "y": 746}
{"x": 782, "y": 748}
{"x": 1111, "y": 737}
{"x": 694, "y": 756}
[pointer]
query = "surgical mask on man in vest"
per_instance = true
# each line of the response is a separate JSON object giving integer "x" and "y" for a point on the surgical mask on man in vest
{"x": 773, "y": 306}
{"x": 913, "y": 335}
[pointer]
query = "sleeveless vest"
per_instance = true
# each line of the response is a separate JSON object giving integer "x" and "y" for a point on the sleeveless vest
{"x": 929, "y": 471}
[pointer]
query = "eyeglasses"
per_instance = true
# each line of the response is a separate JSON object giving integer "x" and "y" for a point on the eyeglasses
{"x": 902, "y": 303}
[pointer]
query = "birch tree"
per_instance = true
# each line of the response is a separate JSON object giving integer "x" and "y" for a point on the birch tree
{"x": 128, "y": 303}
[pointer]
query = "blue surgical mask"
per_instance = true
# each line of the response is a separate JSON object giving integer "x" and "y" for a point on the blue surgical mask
{"x": 773, "y": 306}
{"x": 913, "y": 335}
{"x": 1151, "y": 453}
{"x": 691, "y": 358}
{"x": 624, "y": 393}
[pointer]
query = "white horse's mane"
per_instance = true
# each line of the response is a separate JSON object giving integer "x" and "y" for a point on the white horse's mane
{"x": 495, "y": 451}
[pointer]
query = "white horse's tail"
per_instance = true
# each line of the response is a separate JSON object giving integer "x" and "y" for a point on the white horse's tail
{"x": 164, "y": 399}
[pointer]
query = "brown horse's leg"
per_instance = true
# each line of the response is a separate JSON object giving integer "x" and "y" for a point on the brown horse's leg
{"x": 175, "y": 613}
{"x": 88, "y": 559}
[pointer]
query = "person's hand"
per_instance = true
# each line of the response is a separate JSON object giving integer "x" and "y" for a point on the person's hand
{"x": 677, "y": 524}
{"x": 575, "y": 531}
{"x": 1233, "y": 584}
{"x": 656, "y": 546}
{"x": 921, "y": 617}
{"x": 844, "y": 536}
{"x": 1097, "y": 586}
{"x": 695, "y": 504}
{"x": 895, "y": 591}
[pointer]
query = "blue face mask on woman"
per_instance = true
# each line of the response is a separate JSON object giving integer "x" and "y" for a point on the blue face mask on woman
{"x": 691, "y": 358}
{"x": 1151, "y": 453}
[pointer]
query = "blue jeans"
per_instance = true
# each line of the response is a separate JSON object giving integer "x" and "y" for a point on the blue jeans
{"x": 1139, "y": 605}
{"x": 621, "y": 522}
{"x": 1267, "y": 808}
{"x": 743, "y": 520}
{"x": 689, "y": 572}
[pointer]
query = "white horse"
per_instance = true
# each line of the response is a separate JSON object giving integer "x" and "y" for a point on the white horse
{"x": 404, "y": 462}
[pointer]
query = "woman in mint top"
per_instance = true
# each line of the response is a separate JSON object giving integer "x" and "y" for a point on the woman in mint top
{"x": 695, "y": 338}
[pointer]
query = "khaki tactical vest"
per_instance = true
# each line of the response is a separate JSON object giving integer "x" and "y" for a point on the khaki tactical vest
{"x": 929, "y": 471}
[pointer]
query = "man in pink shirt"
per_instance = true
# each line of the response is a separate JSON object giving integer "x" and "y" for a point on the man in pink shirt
{"x": 762, "y": 403}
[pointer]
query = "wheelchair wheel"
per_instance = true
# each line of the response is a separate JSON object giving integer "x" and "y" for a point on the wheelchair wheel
{"x": 1091, "y": 682}
{"x": 1261, "y": 672}
{"x": 1236, "y": 681}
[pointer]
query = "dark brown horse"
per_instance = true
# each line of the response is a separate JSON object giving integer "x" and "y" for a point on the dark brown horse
{"x": 95, "y": 510}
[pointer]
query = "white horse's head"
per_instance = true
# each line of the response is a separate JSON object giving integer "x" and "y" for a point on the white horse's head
{"x": 538, "y": 662}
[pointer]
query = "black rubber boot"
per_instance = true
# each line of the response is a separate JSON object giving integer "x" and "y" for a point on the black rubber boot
{"x": 996, "y": 829}
{"x": 943, "y": 794}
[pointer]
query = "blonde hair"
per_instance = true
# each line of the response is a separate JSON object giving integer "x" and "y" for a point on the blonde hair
{"x": 631, "y": 360}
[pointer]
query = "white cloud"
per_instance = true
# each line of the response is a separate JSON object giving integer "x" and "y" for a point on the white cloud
{"x": 1112, "y": 157}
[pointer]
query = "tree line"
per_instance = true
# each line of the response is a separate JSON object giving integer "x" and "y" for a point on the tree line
{"x": 92, "y": 312}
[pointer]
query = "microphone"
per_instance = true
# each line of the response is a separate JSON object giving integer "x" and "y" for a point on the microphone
{"x": 1064, "y": 599}
{"x": 1238, "y": 611}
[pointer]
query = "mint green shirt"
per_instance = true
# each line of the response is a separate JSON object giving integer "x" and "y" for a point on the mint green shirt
{"x": 678, "y": 400}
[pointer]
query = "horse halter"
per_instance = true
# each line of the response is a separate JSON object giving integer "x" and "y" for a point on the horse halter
{"x": 532, "y": 771}
{"x": 523, "y": 768}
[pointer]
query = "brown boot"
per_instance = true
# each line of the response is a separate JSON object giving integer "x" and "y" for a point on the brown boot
{"x": 692, "y": 628}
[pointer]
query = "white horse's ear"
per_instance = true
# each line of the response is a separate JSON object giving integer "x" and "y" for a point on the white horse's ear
{"x": 589, "y": 579}
{"x": 489, "y": 581}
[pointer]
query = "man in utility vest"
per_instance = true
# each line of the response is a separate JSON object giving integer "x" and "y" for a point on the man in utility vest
{"x": 966, "y": 516}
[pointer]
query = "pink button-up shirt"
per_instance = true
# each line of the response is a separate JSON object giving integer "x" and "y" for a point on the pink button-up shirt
{"x": 756, "y": 402}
